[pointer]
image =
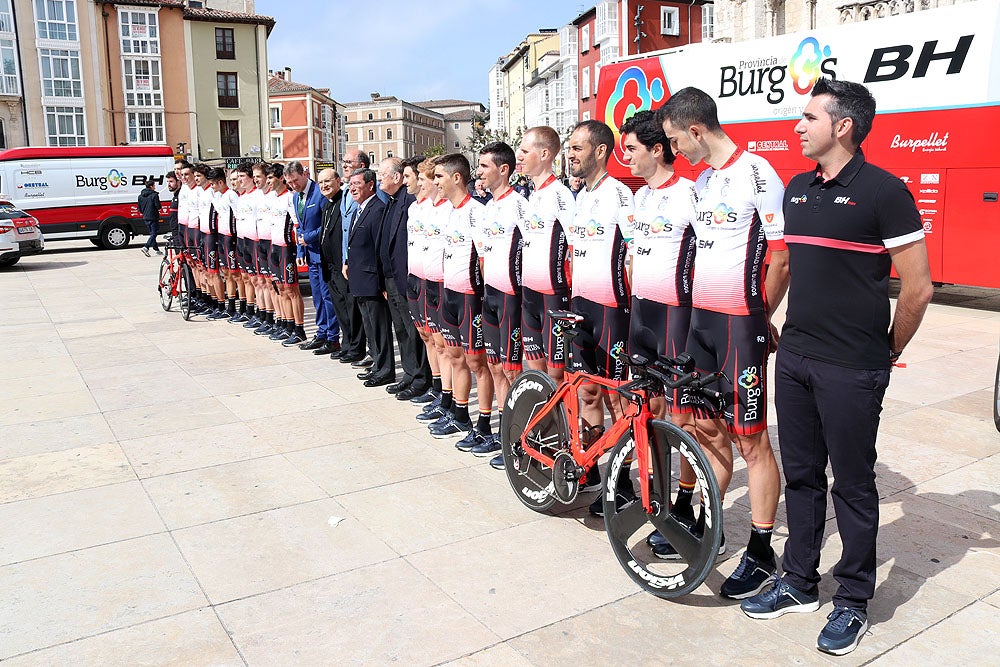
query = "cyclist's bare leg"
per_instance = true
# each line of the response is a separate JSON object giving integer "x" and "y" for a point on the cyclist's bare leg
{"x": 764, "y": 480}
{"x": 501, "y": 383}
{"x": 714, "y": 440}
{"x": 484, "y": 381}
{"x": 591, "y": 404}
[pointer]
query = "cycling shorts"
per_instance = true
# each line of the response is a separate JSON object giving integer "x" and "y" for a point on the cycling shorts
{"x": 283, "y": 266}
{"x": 539, "y": 336}
{"x": 502, "y": 328}
{"x": 737, "y": 345}
{"x": 415, "y": 299}
{"x": 432, "y": 302}
{"x": 227, "y": 253}
{"x": 247, "y": 254}
{"x": 659, "y": 331}
{"x": 263, "y": 257}
{"x": 599, "y": 348}
{"x": 210, "y": 251}
{"x": 462, "y": 321}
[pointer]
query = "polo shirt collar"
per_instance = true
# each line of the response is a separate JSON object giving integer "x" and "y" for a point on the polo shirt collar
{"x": 847, "y": 173}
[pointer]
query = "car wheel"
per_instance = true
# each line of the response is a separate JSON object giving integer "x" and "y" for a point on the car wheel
{"x": 10, "y": 261}
{"x": 116, "y": 236}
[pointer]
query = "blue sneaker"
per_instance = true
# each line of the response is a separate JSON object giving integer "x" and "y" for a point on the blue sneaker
{"x": 470, "y": 441}
{"x": 844, "y": 629}
{"x": 432, "y": 415}
{"x": 749, "y": 578}
{"x": 779, "y": 599}
{"x": 449, "y": 428}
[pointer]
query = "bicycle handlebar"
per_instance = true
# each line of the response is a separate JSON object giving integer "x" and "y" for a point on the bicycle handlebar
{"x": 659, "y": 376}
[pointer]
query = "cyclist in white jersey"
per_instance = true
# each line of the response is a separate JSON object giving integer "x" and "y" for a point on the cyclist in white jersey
{"x": 500, "y": 253}
{"x": 201, "y": 214}
{"x": 246, "y": 232}
{"x": 185, "y": 175}
{"x": 263, "y": 288}
{"x": 739, "y": 220}
{"x": 225, "y": 226}
{"x": 284, "y": 267}
{"x": 544, "y": 278}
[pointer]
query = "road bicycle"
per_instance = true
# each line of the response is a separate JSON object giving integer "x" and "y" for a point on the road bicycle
{"x": 176, "y": 277}
{"x": 546, "y": 459}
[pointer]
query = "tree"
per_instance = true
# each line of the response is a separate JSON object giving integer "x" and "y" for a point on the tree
{"x": 481, "y": 136}
{"x": 434, "y": 151}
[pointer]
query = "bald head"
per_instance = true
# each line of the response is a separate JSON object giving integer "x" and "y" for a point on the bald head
{"x": 390, "y": 175}
{"x": 329, "y": 183}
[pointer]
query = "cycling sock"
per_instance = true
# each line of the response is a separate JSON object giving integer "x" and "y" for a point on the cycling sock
{"x": 251, "y": 310}
{"x": 231, "y": 306}
{"x": 483, "y": 422}
{"x": 461, "y": 411}
{"x": 684, "y": 493}
{"x": 759, "y": 545}
{"x": 243, "y": 306}
{"x": 300, "y": 331}
{"x": 270, "y": 317}
{"x": 436, "y": 383}
{"x": 446, "y": 399}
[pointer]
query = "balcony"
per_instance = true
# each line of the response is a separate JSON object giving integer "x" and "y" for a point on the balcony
{"x": 567, "y": 43}
{"x": 877, "y": 9}
{"x": 6, "y": 22}
{"x": 606, "y": 27}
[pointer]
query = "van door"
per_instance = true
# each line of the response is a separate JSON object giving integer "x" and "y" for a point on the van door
{"x": 972, "y": 231}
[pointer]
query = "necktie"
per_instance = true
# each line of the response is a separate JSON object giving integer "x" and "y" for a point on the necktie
{"x": 302, "y": 207}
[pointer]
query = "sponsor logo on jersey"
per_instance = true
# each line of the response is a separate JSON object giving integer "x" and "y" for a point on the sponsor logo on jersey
{"x": 799, "y": 199}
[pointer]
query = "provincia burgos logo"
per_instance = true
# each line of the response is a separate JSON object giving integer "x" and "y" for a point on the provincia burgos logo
{"x": 932, "y": 143}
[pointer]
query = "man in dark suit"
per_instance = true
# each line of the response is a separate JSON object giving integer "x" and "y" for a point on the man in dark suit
{"x": 330, "y": 244}
{"x": 366, "y": 280}
{"x": 393, "y": 258}
{"x": 308, "y": 204}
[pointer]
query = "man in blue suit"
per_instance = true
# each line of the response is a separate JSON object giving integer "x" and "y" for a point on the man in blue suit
{"x": 308, "y": 204}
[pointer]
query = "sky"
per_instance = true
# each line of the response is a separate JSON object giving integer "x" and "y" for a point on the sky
{"x": 412, "y": 49}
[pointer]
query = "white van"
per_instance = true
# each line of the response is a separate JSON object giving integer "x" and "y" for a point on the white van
{"x": 88, "y": 192}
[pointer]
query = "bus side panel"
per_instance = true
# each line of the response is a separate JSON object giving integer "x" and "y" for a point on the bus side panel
{"x": 972, "y": 230}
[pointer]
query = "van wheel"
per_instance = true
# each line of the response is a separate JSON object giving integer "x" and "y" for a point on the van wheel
{"x": 116, "y": 236}
{"x": 97, "y": 242}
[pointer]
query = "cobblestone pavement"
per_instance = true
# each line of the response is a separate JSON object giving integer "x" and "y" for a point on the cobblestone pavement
{"x": 185, "y": 493}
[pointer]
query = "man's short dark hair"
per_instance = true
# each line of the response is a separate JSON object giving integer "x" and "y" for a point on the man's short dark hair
{"x": 202, "y": 168}
{"x": 649, "y": 133}
{"x": 367, "y": 175}
{"x": 598, "y": 133}
{"x": 184, "y": 164}
{"x": 849, "y": 100}
{"x": 295, "y": 168}
{"x": 690, "y": 106}
{"x": 171, "y": 175}
{"x": 455, "y": 163}
{"x": 502, "y": 154}
{"x": 244, "y": 168}
{"x": 365, "y": 161}
{"x": 276, "y": 169}
{"x": 413, "y": 163}
{"x": 216, "y": 174}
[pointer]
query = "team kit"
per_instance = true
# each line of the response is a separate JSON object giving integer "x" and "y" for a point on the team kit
{"x": 678, "y": 266}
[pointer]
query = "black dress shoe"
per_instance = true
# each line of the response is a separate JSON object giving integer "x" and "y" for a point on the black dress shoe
{"x": 335, "y": 349}
{"x": 292, "y": 340}
{"x": 397, "y": 387}
{"x": 364, "y": 363}
{"x": 366, "y": 375}
{"x": 409, "y": 392}
{"x": 314, "y": 344}
{"x": 379, "y": 380}
{"x": 324, "y": 349}
{"x": 349, "y": 358}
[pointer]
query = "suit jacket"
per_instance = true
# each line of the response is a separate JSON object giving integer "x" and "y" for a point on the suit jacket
{"x": 330, "y": 236}
{"x": 364, "y": 273}
{"x": 392, "y": 249}
{"x": 310, "y": 224}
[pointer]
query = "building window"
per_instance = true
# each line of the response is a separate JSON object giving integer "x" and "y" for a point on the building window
{"x": 371, "y": 135}
{"x": 388, "y": 114}
{"x": 586, "y": 116}
{"x": 371, "y": 117}
{"x": 64, "y": 126}
{"x": 56, "y": 19}
{"x": 275, "y": 116}
{"x": 228, "y": 92}
{"x": 388, "y": 134}
{"x": 371, "y": 157}
{"x": 139, "y": 32}
{"x": 9, "y": 83}
{"x": 707, "y": 22}
{"x": 389, "y": 154}
{"x": 585, "y": 39}
{"x": 457, "y": 145}
{"x": 276, "y": 147}
{"x": 3, "y": 134}
{"x": 229, "y": 135}
{"x": 456, "y": 126}
{"x": 225, "y": 44}
{"x": 585, "y": 83}
{"x": 145, "y": 127}
{"x": 6, "y": 20}
{"x": 670, "y": 21}
{"x": 143, "y": 87}
{"x": 61, "y": 73}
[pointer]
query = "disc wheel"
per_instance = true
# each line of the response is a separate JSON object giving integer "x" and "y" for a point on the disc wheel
{"x": 628, "y": 524}
{"x": 531, "y": 479}
{"x": 184, "y": 291}
{"x": 996, "y": 398}
{"x": 165, "y": 286}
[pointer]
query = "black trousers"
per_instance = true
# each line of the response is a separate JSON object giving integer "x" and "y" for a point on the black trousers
{"x": 829, "y": 413}
{"x": 345, "y": 306}
{"x": 412, "y": 353}
{"x": 154, "y": 226}
{"x": 378, "y": 327}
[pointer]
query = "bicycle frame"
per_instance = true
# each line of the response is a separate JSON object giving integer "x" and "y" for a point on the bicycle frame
{"x": 635, "y": 417}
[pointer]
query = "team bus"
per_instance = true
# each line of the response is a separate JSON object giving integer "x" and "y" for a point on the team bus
{"x": 87, "y": 192}
{"x": 935, "y": 75}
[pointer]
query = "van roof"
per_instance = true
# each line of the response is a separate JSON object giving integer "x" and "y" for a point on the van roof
{"x": 36, "y": 153}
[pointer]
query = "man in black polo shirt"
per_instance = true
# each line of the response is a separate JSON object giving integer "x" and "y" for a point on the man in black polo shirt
{"x": 847, "y": 223}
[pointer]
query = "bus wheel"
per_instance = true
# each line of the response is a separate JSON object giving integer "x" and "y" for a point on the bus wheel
{"x": 115, "y": 235}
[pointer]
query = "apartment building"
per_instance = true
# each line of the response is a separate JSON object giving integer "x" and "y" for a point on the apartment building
{"x": 303, "y": 122}
{"x": 386, "y": 126}
{"x": 460, "y": 118}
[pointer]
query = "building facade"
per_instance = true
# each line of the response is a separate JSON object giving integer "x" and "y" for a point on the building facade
{"x": 460, "y": 117}
{"x": 303, "y": 123}
{"x": 386, "y": 126}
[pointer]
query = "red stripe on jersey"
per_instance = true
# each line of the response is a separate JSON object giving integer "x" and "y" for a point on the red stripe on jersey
{"x": 837, "y": 244}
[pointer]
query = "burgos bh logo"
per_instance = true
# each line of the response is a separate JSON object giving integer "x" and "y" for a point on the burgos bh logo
{"x": 804, "y": 65}
{"x": 749, "y": 379}
{"x": 116, "y": 178}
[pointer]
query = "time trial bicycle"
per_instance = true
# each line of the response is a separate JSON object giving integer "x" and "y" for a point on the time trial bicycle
{"x": 176, "y": 277}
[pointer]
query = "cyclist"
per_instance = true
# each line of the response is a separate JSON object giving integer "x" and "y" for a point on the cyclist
{"x": 500, "y": 252}
{"x": 225, "y": 225}
{"x": 281, "y": 218}
{"x": 246, "y": 231}
{"x": 216, "y": 180}
{"x": 662, "y": 259}
{"x": 597, "y": 240}
{"x": 461, "y": 312}
{"x": 545, "y": 285}
{"x": 739, "y": 220}
{"x": 263, "y": 289}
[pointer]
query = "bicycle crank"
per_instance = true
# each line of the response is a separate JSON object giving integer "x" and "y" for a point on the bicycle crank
{"x": 565, "y": 477}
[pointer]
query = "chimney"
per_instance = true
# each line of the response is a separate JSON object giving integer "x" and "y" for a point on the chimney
{"x": 375, "y": 96}
{"x": 288, "y": 74}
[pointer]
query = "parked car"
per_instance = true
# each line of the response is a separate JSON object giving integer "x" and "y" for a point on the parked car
{"x": 19, "y": 235}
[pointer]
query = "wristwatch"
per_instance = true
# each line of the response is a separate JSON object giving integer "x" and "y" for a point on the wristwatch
{"x": 893, "y": 356}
